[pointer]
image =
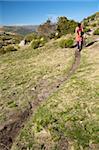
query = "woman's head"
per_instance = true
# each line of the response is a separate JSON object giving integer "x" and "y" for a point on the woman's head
{"x": 79, "y": 25}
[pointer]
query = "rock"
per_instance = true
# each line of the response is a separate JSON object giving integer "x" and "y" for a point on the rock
{"x": 22, "y": 43}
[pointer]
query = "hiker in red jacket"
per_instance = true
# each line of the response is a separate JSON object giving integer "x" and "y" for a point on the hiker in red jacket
{"x": 79, "y": 36}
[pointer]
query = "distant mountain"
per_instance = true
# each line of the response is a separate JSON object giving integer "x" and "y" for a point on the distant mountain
{"x": 25, "y": 29}
{"x": 91, "y": 21}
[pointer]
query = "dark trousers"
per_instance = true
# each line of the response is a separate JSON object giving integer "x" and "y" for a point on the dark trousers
{"x": 79, "y": 45}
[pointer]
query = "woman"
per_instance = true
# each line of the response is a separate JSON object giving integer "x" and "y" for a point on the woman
{"x": 79, "y": 36}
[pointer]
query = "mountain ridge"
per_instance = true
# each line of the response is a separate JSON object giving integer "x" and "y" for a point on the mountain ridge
{"x": 26, "y": 29}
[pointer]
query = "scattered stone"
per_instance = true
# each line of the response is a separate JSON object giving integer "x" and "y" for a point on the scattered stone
{"x": 34, "y": 88}
{"x": 22, "y": 43}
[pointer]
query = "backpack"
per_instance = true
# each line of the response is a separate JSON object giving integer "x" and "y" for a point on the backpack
{"x": 80, "y": 32}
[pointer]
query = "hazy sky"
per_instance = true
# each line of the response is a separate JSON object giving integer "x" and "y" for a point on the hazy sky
{"x": 35, "y": 12}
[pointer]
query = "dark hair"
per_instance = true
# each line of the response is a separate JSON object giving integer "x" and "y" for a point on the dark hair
{"x": 79, "y": 25}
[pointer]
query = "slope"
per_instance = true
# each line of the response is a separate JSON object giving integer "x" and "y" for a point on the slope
{"x": 24, "y": 70}
{"x": 68, "y": 119}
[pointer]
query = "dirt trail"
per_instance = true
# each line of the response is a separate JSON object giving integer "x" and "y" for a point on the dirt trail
{"x": 10, "y": 130}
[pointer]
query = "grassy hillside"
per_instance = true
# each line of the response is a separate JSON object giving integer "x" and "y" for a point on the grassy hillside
{"x": 49, "y": 96}
{"x": 69, "y": 117}
{"x": 22, "y": 70}
{"x": 9, "y": 38}
{"x": 92, "y": 20}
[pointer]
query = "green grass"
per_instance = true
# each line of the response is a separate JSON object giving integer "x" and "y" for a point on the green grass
{"x": 21, "y": 70}
{"x": 72, "y": 111}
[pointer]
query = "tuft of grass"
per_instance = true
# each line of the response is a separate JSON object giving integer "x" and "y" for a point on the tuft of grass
{"x": 96, "y": 32}
{"x": 35, "y": 43}
{"x": 12, "y": 104}
{"x": 66, "y": 43}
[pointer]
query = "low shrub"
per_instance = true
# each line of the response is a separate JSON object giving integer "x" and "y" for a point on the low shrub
{"x": 94, "y": 25}
{"x": 38, "y": 42}
{"x": 87, "y": 30}
{"x": 66, "y": 43}
{"x": 6, "y": 49}
{"x": 2, "y": 50}
{"x": 42, "y": 41}
{"x": 52, "y": 35}
{"x": 35, "y": 44}
{"x": 9, "y": 48}
{"x": 86, "y": 22}
{"x": 30, "y": 37}
{"x": 57, "y": 35}
{"x": 96, "y": 32}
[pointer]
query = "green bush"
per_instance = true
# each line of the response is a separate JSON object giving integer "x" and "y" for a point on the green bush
{"x": 35, "y": 43}
{"x": 86, "y": 30}
{"x": 94, "y": 25}
{"x": 52, "y": 35}
{"x": 42, "y": 41}
{"x": 65, "y": 26}
{"x": 38, "y": 42}
{"x": 2, "y": 50}
{"x": 66, "y": 43}
{"x": 96, "y": 32}
{"x": 30, "y": 37}
{"x": 6, "y": 49}
{"x": 85, "y": 22}
{"x": 9, "y": 48}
